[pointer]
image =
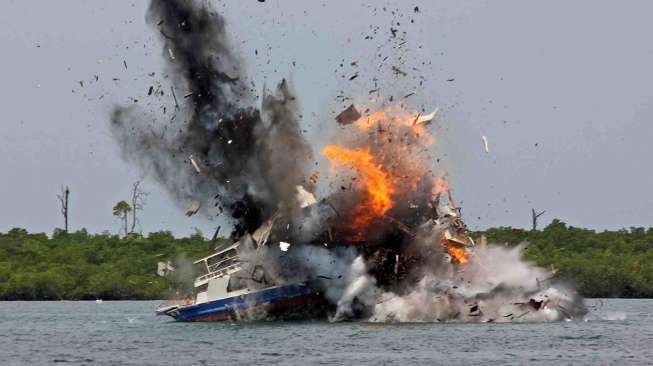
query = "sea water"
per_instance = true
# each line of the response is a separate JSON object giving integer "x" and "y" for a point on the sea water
{"x": 616, "y": 331}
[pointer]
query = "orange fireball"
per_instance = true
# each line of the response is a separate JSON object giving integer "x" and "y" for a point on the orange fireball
{"x": 375, "y": 182}
{"x": 459, "y": 255}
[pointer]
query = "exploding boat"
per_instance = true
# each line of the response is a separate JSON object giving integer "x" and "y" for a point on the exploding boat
{"x": 221, "y": 293}
{"x": 233, "y": 284}
{"x": 237, "y": 283}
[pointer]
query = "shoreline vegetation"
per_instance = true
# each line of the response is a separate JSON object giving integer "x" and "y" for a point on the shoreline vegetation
{"x": 83, "y": 266}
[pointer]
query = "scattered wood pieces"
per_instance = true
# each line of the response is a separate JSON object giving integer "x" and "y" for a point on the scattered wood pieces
{"x": 485, "y": 144}
{"x": 398, "y": 71}
{"x": 195, "y": 166}
{"x": 348, "y": 116}
{"x": 427, "y": 118}
{"x": 284, "y": 246}
{"x": 193, "y": 208}
{"x": 172, "y": 90}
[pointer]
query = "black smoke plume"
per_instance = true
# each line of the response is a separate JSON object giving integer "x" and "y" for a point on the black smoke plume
{"x": 250, "y": 159}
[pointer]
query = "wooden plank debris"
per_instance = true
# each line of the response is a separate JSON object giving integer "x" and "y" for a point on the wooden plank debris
{"x": 349, "y": 115}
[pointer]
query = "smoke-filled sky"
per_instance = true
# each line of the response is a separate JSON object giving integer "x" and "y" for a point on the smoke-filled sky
{"x": 562, "y": 90}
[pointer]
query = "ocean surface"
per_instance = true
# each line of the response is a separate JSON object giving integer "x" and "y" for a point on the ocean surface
{"x": 617, "y": 331}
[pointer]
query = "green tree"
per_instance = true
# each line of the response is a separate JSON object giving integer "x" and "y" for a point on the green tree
{"x": 122, "y": 210}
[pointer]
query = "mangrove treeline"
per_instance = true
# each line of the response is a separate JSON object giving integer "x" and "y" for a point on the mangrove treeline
{"x": 76, "y": 266}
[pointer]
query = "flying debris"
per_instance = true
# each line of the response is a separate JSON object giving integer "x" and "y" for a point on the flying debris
{"x": 193, "y": 208}
{"x": 349, "y": 115}
{"x": 485, "y": 144}
{"x": 304, "y": 197}
{"x": 164, "y": 268}
{"x": 194, "y": 164}
{"x": 427, "y": 118}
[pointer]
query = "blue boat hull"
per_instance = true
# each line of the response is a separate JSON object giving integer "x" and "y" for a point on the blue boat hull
{"x": 285, "y": 302}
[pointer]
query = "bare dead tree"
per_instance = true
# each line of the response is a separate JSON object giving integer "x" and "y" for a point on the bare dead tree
{"x": 63, "y": 198}
{"x": 137, "y": 202}
{"x": 536, "y": 215}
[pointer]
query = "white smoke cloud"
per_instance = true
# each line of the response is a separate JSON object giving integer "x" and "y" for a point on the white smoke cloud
{"x": 496, "y": 285}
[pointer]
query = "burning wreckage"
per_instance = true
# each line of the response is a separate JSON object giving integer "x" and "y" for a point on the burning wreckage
{"x": 385, "y": 241}
{"x": 432, "y": 272}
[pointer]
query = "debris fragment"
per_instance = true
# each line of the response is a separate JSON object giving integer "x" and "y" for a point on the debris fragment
{"x": 194, "y": 164}
{"x": 215, "y": 234}
{"x": 172, "y": 90}
{"x": 164, "y": 268}
{"x": 348, "y": 116}
{"x": 226, "y": 78}
{"x": 193, "y": 208}
{"x": 427, "y": 118}
{"x": 304, "y": 197}
{"x": 485, "y": 144}
{"x": 398, "y": 71}
{"x": 537, "y": 305}
{"x": 284, "y": 246}
{"x": 312, "y": 179}
{"x": 172, "y": 55}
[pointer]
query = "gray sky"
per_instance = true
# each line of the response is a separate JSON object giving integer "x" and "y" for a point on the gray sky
{"x": 562, "y": 90}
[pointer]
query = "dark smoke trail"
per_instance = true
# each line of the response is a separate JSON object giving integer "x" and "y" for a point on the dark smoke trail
{"x": 250, "y": 160}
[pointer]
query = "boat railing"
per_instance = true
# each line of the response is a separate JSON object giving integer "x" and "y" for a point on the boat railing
{"x": 217, "y": 273}
{"x": 216, "y": 266}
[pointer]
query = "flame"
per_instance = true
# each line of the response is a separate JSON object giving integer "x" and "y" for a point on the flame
{"x": 458, "y": 254}
{"x": 392, "y": 155}
{"x": 375, "y": 182}
{"x": 366, "y": 122}
{"x": 394, "y": 115}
